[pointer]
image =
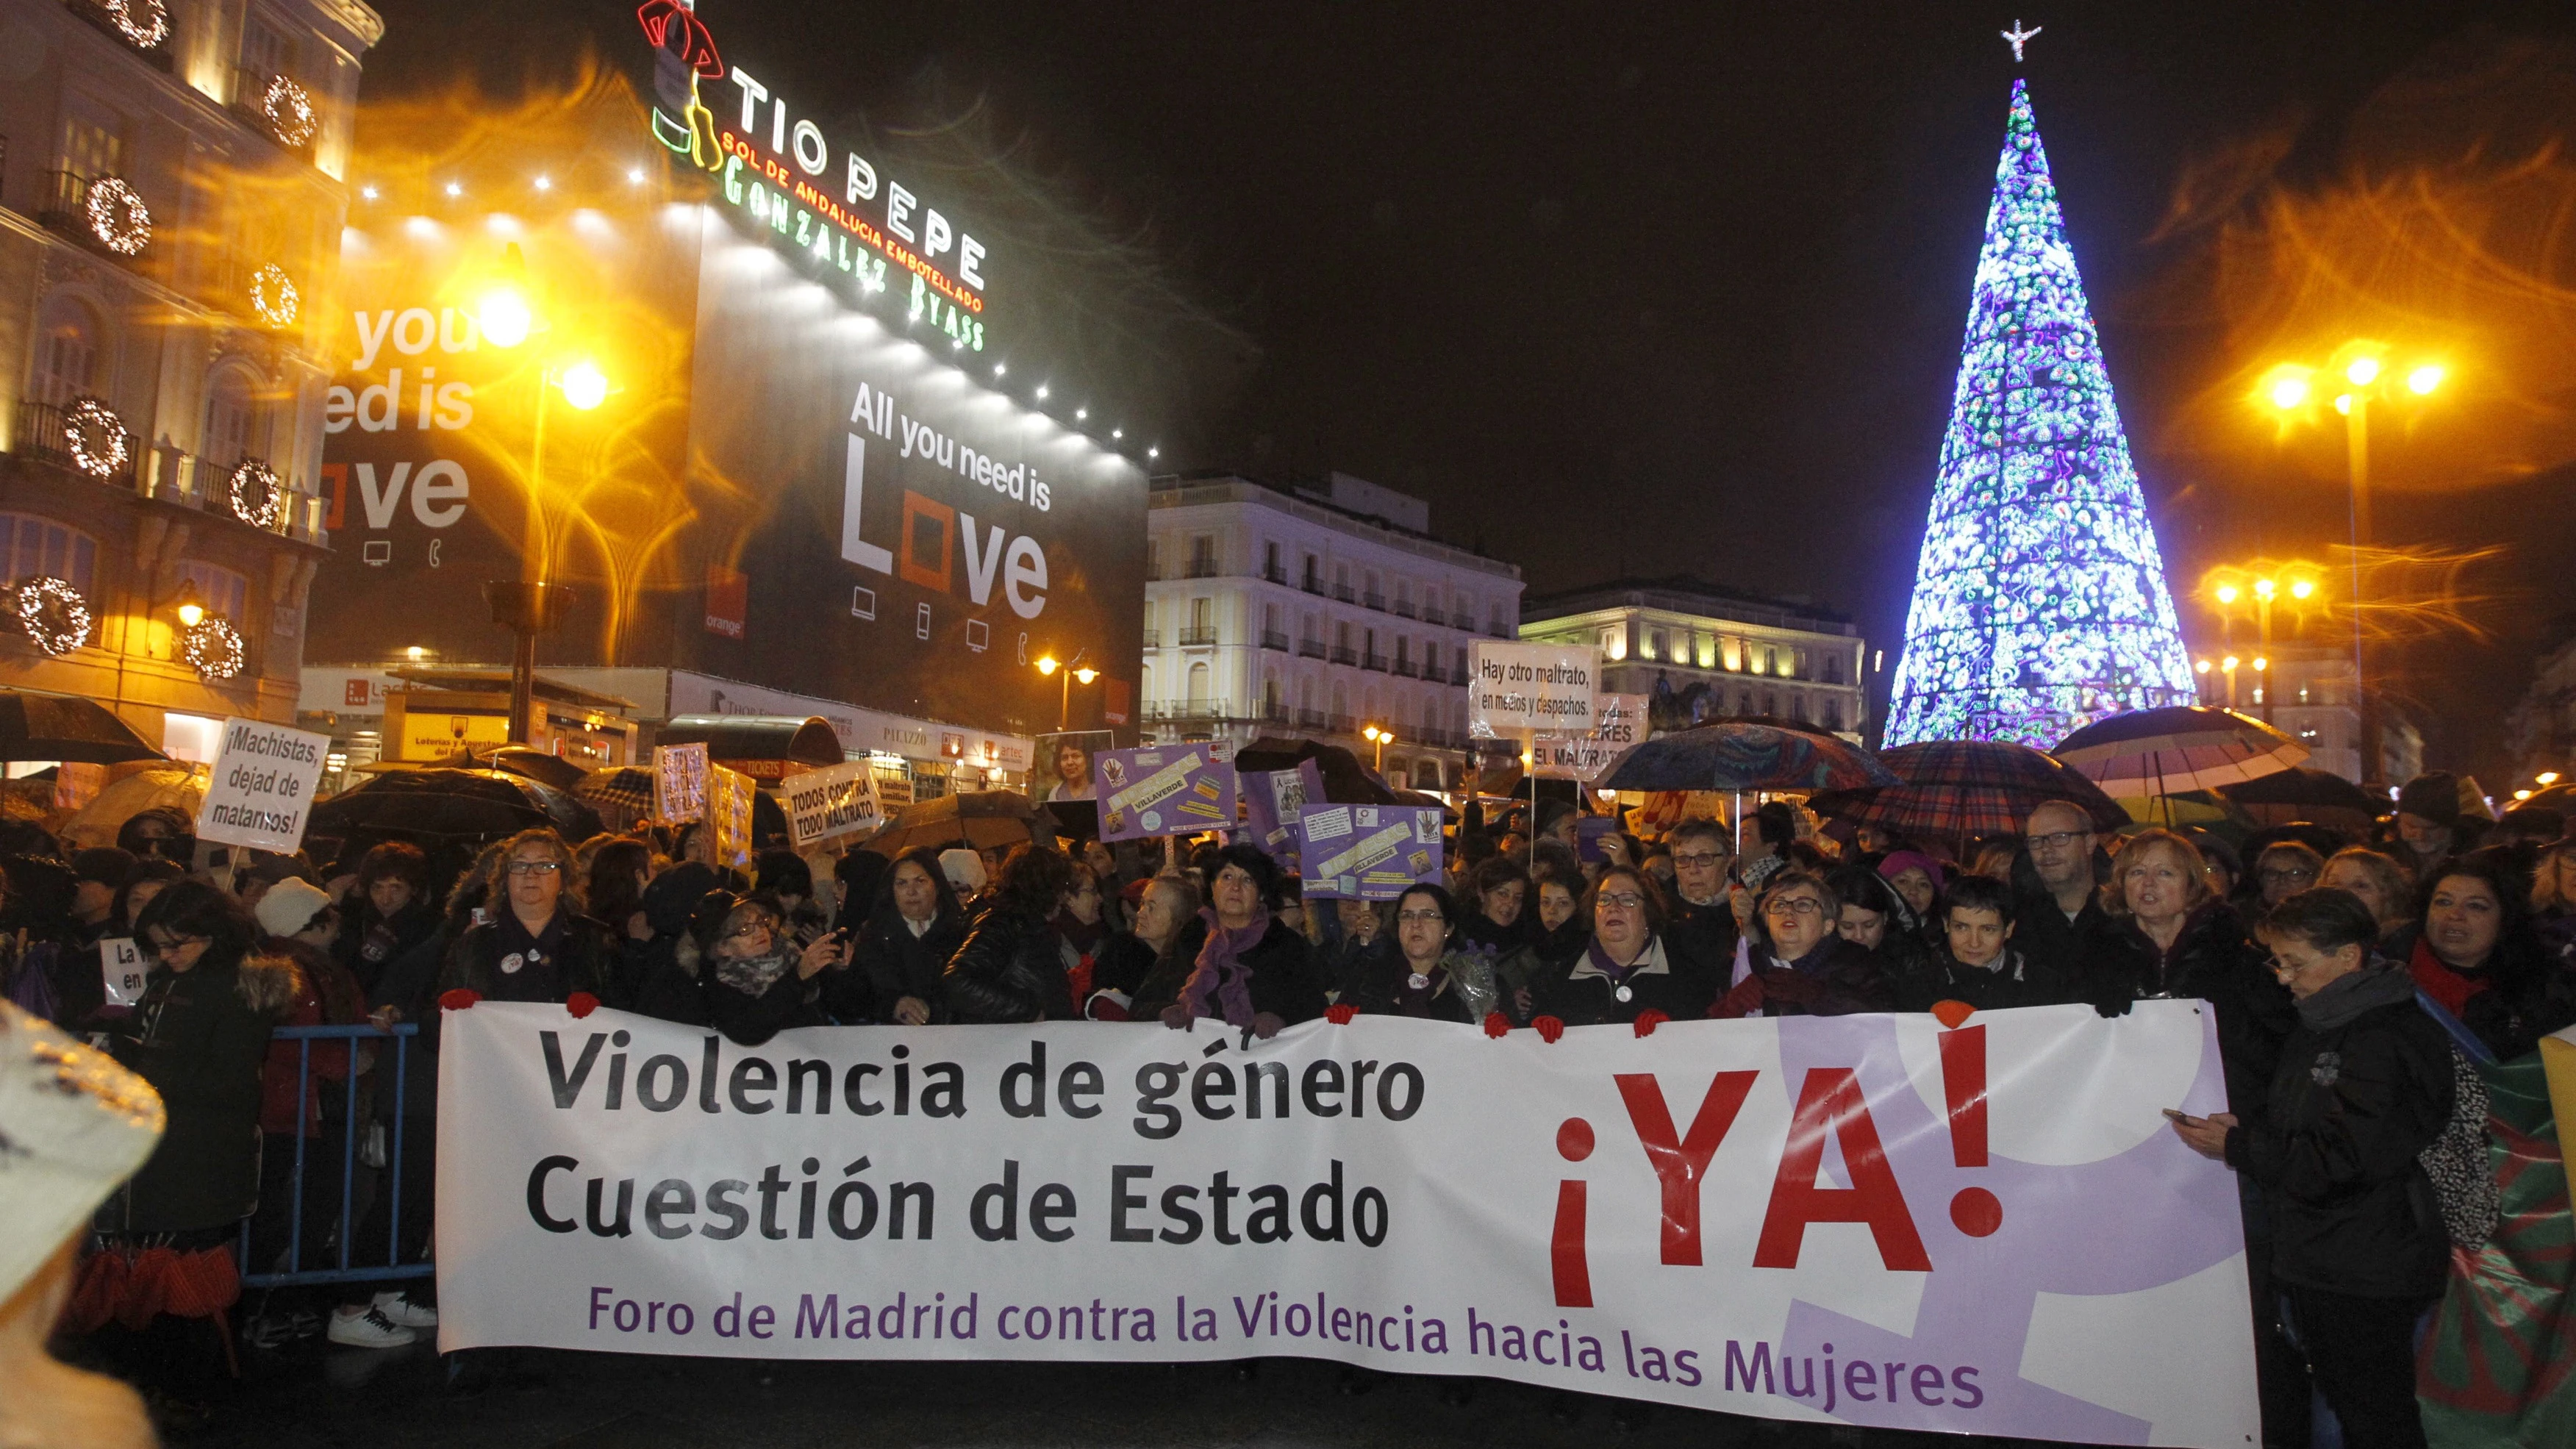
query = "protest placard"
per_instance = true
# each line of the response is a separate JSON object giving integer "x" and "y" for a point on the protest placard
{"x": 121, "y": 970}
{"x": 1272, "y": 801}
{"x": 1618, "y": 721}
{"x": 680, "y": 781}
{"x": 1517, "y": 690}
{"x": 1165, "y": 790}
{"x": 834, "y": 801}
{"x": 262, "y": 786}
{"x": 1367, "y": 852}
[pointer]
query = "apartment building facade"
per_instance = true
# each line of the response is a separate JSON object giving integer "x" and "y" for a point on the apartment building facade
{"x": 1699, "y": 651}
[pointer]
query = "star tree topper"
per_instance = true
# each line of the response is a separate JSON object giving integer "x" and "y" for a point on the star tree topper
{"x": 2018, "y": 37}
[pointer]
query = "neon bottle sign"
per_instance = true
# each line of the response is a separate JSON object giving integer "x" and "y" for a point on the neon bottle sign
{"x": 873, "y": 225}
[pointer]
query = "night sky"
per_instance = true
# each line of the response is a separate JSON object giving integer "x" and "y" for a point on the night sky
{"x": 1681, "y": 289}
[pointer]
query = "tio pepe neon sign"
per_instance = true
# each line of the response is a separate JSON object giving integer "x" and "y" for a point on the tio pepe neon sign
{"x": 776, "y": 188}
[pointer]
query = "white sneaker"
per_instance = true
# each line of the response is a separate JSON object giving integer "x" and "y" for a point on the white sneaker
{"x": 400, "y": 1311}
{"x": 368, "y": 1328}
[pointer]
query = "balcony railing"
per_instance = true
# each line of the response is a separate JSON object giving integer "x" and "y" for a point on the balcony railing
{"x": 162, "y": 473}
{"x": 1431, "y": 672}
{"x": 1374, "y": 600}
{"x": 1198, "y": 635}
{"x": 1310, "y": 648}
{"x": 1344, "y": 593}
{"x": 1153, "y": 638}
{"x": 1499, "y": 630}
{"x": 1274, "y": 573}
{"x": 1312, "y": 585}
{"x": 1310, "y": 719}
{"x": 64, "y": 206}
{"x": 1374, "y": 661}
{"x": 1431, "y": 615}
{"x": 1403, "y": 667}
{"x": 1403, "y": 607}
{"x": 1343, "y": 724}
{"x": 1274, "y": 639}
{"x": 156, "y": 55}
{"x": 1345, "y": 654}
{"x": 1202, "y": 568}
{"x": 250, "y": 99}
{"x": 1273, "y": 712}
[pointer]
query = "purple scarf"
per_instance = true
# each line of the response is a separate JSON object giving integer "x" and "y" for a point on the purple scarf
{"x": 1221, "y": 984}
{"x": 1602, "y": 963}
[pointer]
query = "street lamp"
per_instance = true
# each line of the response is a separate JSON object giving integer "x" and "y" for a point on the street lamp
{"x": 1075, "y": 673}
{"x": 2357, "y": 372}
{"x": 1381, "y": 739}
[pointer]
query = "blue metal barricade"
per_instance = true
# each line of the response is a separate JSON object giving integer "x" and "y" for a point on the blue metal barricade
{"x": 388, "y": 1262}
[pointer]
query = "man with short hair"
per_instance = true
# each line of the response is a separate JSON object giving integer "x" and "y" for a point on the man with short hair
{"x": 2062, "y": 923}
{"x": 1701, "y": 927}
{"x": 2428, "y": 823}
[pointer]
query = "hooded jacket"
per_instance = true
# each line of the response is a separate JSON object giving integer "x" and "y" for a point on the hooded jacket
{"x": 2362, "y": 1085}
{"x": 200, "y": 1037}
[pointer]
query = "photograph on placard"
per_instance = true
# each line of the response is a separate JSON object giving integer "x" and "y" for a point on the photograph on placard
{"x": 1063, "y": 766}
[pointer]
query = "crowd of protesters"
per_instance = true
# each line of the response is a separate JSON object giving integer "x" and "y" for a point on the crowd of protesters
{"x": 2352, "y": 980}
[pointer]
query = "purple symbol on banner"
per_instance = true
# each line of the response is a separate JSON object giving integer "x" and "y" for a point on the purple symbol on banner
{"x": 1164, "y": 790}
{"x": 1273, "y": 799}
{"x": 1367, "y": 852}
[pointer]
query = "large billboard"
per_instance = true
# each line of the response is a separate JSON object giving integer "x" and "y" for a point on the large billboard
{"x": 777, "y": 488}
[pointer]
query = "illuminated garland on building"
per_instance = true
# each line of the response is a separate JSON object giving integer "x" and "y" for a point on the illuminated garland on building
{"x": 288, "y": 111}
{"x": 95, "y": 437}
{"x": 145, "y": 23}
{"x": 54, "y": 614}
{"x": 2040, "y": 602}
{"x": 273, "y": 296}
{"x": 118, "y": 217}
{"x": 213, "y": 648}
{"x": 258, "y": 498}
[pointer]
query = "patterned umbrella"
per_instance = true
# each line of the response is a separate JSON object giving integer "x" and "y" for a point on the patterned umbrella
{"x": 1745, "y": 755}
{"x": 1969, "y": 787}
{"x": 2179, "y": 747}
{"x": 622, "y": 794}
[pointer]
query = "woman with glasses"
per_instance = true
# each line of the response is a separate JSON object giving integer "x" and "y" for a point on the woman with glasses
{"x": 1625, "y": 969}
{"x": 2364, "y": 1085}
{"x": 2285, "y": 868}
{"x": 1251, "y": 970}
{"x": 1800, "y": 963}
{"x": 531, "y": 945}
{"x": 756, "y": 980}
{"x": 1432, "y": 979}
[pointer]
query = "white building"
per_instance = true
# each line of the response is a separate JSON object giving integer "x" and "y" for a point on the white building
{"x": 1699, "y": 651}
{"x": 1317, "y": 612}
{"x": 2305, "y": 691}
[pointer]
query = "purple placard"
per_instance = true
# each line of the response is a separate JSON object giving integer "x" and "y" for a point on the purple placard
{"x": 1272, "y": 801}
{"x": 1367, "y": 852}
{"x": 1164, "y": 790}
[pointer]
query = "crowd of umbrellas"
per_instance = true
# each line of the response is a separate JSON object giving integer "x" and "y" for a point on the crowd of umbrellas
{"x": 2127, "y": 769}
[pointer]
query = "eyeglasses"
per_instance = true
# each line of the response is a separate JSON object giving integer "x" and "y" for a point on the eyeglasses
{"x": 2059, "y": 839}
{"x": 1625, "y": 900}
{"x": 1699, "y": 858}
{"x": 1794, "y": 906}
{"x": 1425, "y": 918}
{"x": 535, "y": 867}
{"x": 749, "y": 928}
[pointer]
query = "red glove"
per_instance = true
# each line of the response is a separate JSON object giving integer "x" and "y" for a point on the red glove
{"x": 1340, "y": 1013}
{"x": 1746, "y": 997}
{"x": 1108, "y": 1006}
{"x": 458, "y": 999}
{"x": 1648, "y": 1020}
{"x": 581, "y": 1004}
{"x": 1548, "y": 1028}
{"x": 1497, "y": 1025}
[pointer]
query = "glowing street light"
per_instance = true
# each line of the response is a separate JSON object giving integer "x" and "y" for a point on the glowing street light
{"x": 2362, "y": 371}
{"x": 583, "y": 385}
{"x": 2546, "y": 778}
{"x": 2287, "y": 387}
{"x": 2424, "y": 379}
{"x": 1381, "y": 739}
{"x": 1075, "y": 673}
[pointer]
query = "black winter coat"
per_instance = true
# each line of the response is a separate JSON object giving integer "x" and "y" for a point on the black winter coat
{"x": 2213, "y": 959}
{"x": 1579, "y": 994}
{"x": 1385, "y": 991}
{"x": 578, "y": 959}
{"x": 752, "y": 1001}
{"x": 1287, "y": 973}
{"x": 895, "y": 963}
{"x": 2056, "y": 946}
{"x": 1839, "y": 978}
{"x": 1010, "y": 969}
{"x": 1704, "y": 936}
{"x": 2334, "y": 1152}
{"x": 2014, "y": 981}
{"x": 200, "y": 1037}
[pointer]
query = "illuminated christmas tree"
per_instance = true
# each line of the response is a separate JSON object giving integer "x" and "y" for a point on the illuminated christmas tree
{"x": 2040, "y": 602}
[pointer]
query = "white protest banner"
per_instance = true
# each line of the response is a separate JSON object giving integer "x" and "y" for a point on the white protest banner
{"x": 832, "y": 802}
{"x": 262, "y": 786}
{"x": 1992, "y": 1226}
{"x": 1619, "y": 720}
{"x": 121, "y": 972}
{"x": 1517, "y": 690}
{"x": 680, "y": 781}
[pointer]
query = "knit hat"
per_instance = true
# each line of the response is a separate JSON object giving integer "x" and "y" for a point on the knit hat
{"x": 2433, "y": 795}
{"x": 290, "y": 906}
{"x": 79, "y": 1124}
{"x": 1897, "y": 862}
{"x": 964, "y": 869}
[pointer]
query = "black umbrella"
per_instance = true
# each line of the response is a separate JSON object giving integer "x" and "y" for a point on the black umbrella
{"x": 1346, "y": 780}
{"x": 60, "y": 727}
{"x": 537, "y": 765}
{"x": 2303, "y": 794}
{"x": 444, "y": 805}
{"x": 978, "y": 818}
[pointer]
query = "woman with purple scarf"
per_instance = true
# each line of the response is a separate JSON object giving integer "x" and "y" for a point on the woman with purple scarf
{"x": 1625, "y": 970}
{"x": 1255, "y": 971}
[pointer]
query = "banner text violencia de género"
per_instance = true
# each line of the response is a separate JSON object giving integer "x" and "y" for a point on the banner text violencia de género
{"x": 1873, "y": 1220}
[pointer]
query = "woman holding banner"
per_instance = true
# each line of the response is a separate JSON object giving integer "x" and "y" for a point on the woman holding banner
{"x": 1625, "y": 971}
{"x": 535, "y": 947}
{"x": 1254, "y": 971}
{"x": 1011, "y": 968}
{"x": 913, "y": 928}
{"x": 1433, "y": 979}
